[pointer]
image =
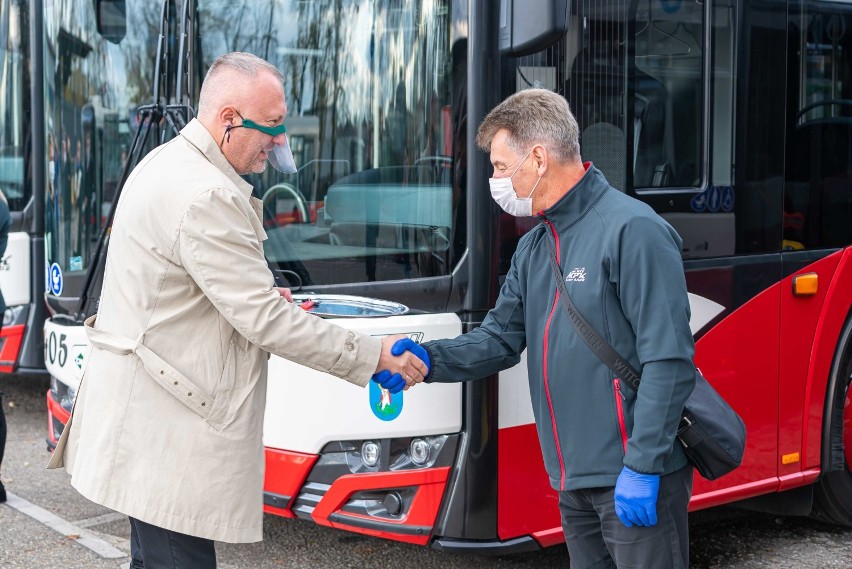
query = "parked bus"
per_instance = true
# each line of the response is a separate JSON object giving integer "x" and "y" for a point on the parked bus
{"x": 22, "y": 266}
{"x": 731, "y": 119}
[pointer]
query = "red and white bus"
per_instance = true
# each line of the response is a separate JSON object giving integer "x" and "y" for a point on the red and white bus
{"x": 22, "y": 276}
{"x": 732, "y": 119}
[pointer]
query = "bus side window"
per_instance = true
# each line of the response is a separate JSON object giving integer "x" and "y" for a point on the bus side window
{"x": 818, "y": 192}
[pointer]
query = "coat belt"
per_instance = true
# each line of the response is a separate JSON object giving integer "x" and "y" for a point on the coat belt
{"x": 173, "y": 381}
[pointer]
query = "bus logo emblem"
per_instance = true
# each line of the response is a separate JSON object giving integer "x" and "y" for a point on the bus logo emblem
{"x": 385, "y": 405}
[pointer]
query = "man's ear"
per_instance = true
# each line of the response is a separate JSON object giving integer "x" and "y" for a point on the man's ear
{"x": 539, "y": 158}
{"x": 226, "y": 116}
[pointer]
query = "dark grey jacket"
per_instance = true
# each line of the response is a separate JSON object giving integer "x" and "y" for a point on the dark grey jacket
{"x": 623, "y": 269}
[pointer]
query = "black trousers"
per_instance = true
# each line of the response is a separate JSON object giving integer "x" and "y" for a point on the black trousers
{"x": 597, "y": 539}
{"x": 152, "y": 547}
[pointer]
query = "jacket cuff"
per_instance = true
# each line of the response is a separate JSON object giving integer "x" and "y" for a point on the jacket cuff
{"x": 359, "y": 357}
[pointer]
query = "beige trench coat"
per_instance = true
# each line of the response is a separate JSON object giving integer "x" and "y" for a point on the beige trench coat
{"x": 168, "y": 419}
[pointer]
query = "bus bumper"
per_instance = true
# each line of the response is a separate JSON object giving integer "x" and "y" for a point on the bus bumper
{"x": 330, "y": 489}
{"x": 11, "y": 338}
{"x": 57, "y": 418}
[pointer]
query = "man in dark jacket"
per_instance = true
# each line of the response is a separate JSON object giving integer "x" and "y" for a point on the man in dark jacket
{"x": 610, "y": 452}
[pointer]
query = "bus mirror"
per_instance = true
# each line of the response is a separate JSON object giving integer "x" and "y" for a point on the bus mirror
{"x": 111, "y": 19}
{"x": 535, "y": 25}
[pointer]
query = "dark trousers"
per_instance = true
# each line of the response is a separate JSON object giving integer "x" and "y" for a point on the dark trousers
{"x": 2, "y": 442}
{"x": 596, "y": 538}
{"x": 152, "y": 547}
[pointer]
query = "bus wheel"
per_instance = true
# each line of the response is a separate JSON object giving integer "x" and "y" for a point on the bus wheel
{"x": 833, "y": 492}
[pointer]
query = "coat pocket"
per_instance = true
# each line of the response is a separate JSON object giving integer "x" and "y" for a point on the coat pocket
{"x": 232, "y": 387}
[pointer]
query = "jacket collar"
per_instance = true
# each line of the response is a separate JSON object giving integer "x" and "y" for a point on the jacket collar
{"x": 578, "y": 200}
{"x": 198, "y": 136}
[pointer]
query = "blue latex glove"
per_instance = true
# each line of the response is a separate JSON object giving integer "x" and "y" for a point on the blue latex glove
{"x": 393, "y": 383}
{"x": 404, "y": 344}
{"x": 636, "y": 498}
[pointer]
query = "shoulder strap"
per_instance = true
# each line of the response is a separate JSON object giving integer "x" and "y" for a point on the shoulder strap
{"x": 601, "y": 348}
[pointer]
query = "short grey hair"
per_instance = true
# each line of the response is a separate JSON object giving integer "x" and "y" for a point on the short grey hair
{"x": 534, "y": 116}
{"x": 244, "y": 63}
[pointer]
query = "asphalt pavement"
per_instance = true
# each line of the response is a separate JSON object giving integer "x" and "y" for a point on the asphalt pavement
{"x": 47, "y": 524}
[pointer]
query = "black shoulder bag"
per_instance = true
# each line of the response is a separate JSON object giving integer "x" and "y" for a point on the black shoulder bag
{"x": 710, "y": 431}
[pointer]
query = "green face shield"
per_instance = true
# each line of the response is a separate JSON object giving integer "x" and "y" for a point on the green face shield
{"x": 280, "y": 157}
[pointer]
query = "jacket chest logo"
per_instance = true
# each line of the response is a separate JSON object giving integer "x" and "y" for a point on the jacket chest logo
{"x": 577, "y": 275}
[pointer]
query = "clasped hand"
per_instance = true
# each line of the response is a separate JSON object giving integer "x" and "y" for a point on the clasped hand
{"x": 402, "y": 363}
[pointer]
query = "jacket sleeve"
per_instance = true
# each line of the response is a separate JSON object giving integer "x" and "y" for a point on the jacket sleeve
{"x": 648, "y": 272}
{"x": 221, "y": 251}
{"x": 495, "y": 345}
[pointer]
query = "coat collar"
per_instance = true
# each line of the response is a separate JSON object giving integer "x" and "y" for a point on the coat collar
{"x": 578, "y": 200}
{"x": 197, "y": 135}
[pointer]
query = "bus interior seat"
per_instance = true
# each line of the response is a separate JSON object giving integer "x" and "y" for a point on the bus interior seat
{"x": 596, "y": 80}
{"x": 602, "y": 143}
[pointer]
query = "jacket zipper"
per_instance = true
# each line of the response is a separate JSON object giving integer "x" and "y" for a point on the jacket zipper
{"x": 545, "y": 378}
{"x": 619, "y": 407}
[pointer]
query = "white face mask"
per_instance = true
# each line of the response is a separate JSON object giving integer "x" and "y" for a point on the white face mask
{"x": 504, "y": 194}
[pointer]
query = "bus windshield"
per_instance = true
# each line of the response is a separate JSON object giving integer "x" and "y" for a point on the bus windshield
{"x": 369, "y": 119}
{"x": 14, "y": 103}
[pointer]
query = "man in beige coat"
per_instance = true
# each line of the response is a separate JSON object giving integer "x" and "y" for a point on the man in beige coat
{"x": 168, "y": 419}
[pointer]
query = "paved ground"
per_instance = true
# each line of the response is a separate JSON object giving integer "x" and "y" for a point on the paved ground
{"x": 719, "y": 538}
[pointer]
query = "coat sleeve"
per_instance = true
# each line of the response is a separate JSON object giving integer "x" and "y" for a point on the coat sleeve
{"x": 496, "y": 345}
{"x": 648, "y": 274}
{"x": 221, "y": 251}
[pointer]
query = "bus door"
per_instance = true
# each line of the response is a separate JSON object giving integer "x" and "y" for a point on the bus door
{"x": 668, "y": 110}
{"x": 99, "y": 88}
{"x": 817, "y": 229}
{"x": 21, "y": 274}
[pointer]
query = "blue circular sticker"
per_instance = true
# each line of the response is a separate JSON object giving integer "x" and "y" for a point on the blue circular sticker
{"x": 714, "y": 199}
{"x": 55, "y": 279}
{"x": 727, "y": 198}
{"x": 385, "y": 405}
{"x": 699, "y": 202}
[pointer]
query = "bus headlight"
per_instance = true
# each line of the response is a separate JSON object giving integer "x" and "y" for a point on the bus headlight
{"x": 419, "y": 451}
{"x": 62, "y": 394}
{"x": 370, "y": 453}
{"x": 67, "y": 401}
{"x": 15, "y": 315}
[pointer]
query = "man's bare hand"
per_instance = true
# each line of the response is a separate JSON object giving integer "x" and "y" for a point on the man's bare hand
{"x": 285, "y": 292}
{"x": 412, "y": 369}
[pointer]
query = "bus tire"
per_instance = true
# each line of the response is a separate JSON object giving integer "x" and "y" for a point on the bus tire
{"x": 833, "y": 492}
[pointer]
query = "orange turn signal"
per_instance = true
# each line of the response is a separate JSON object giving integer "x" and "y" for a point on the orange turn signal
{"x": 805, "y": 285}
{"x": 790, "y": 458}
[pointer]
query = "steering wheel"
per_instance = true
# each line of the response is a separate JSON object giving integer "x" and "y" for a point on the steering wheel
{"x": 272, "y": 194}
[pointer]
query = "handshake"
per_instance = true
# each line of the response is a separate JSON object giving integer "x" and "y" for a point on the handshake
{"x": 402, "y": 363}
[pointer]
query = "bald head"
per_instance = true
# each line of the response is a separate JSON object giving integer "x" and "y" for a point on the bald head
{"x": 232, "y": 76}
{"x": 241, "y": 86}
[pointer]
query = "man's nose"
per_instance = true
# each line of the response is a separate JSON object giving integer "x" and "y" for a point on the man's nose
{"x": 280, "y": 139}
